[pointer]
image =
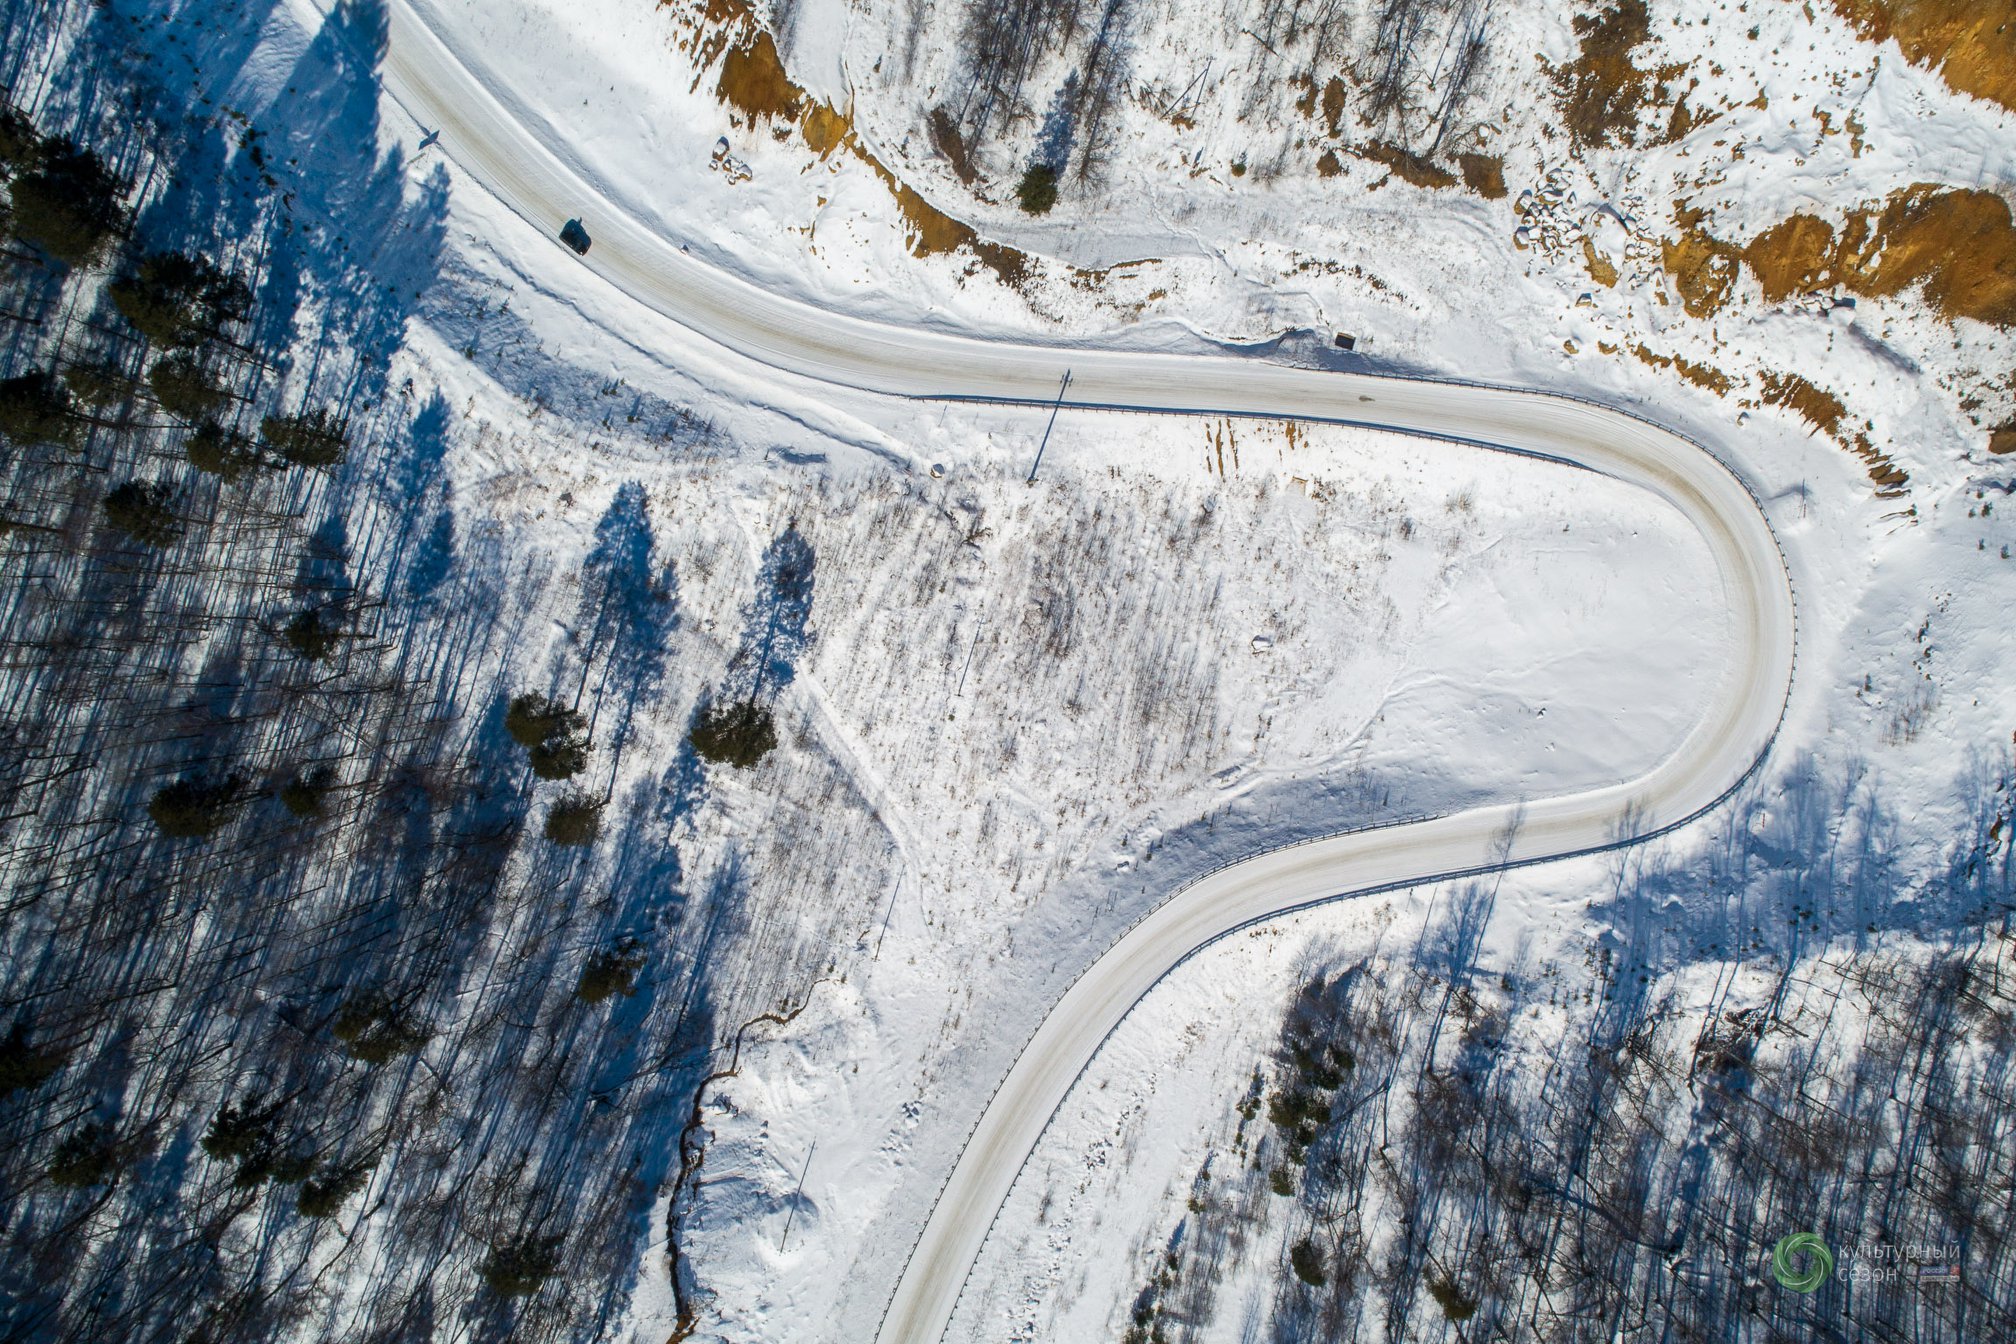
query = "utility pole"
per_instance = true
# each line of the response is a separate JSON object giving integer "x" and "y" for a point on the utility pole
{"x": 885, "y": 925}
{"x": 972, "y": 646}
{"x": 1054, "y": 407}
{"x": 795, "y": 1196}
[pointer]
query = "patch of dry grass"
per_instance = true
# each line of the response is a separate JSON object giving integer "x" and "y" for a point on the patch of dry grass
{"x": 1971, "y": 43}
{"x": 1959, "y": 245}
{"x": 1825, "y": 412}
{"x": 1701, "y": 375}
{"x": 1483, "y": 174}
{"x": 753, "y": 82}
{"x": 1601, "y": 269}
{"x": 1408, "y": 166}
{"x": 1604, "y": 89}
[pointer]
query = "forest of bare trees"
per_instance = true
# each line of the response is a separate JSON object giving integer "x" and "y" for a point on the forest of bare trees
{"x": 1403, "y": 76}
{"x": 1451, "y": 1152}
{"x": 349, "y": 992}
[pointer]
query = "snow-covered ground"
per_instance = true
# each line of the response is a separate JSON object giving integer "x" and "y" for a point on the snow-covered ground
{"x": 1053, "y": 697}
{"x": 1190, "y": 638}
{"x": 1444, "y": 626}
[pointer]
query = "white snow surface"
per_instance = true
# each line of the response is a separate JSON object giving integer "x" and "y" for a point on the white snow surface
{"x": 1446, "y": 624}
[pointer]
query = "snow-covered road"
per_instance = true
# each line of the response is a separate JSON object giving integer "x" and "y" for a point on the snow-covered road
{"x": 535, "y": 180}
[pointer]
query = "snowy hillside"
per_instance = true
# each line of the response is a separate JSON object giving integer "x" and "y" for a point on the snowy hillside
{"x": 526, "y": 822}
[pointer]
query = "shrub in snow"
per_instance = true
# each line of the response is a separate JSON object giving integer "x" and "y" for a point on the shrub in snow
{"x": 313, "y": 439}
{"x": 195, "y": 808}
{"x": 554, "y": 736}
{"x": 185, "y": 389}
{"x": 574, "y": 820}
{"x": 35, "y": 408}
{"x": 738, "y": 734}
{"x": 141, "y": 511}
{"x": 1037, "y": 191}
{"x": 517, "y": 1269}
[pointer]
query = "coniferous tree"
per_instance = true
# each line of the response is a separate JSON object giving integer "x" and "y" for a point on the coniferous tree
{"x": 313, "y": 634}
{"x": 90, "y": 1156}
{"x": 740, "y": 734}
{"x": 24, "y": 1065}
{"x": 144, "y": 511}
{"x": 241, "y": 1129}
{"x": 221, "y": 452}
{"x": 35, "y": 409}
{"x": 185, "y": 389}
{"x": 19, "y": 143}
{"x": 307, "y": 794}
{"x": 1037, "y": 191}
{"x": 100, "y": 385}
{"x": 612, "y": 970}
{"x": 174, "y": 299}
{"x": 67, "y": 203}
{"x": 517, "y": 1268}
{"x": 554, "y": 736}
{"x": 196, "y": 808}
{"x": 312, "y": 439}
{"x": 376, "y": 1030}
{"x": 324, "y": 1196}
{"x": 574, "y": 820}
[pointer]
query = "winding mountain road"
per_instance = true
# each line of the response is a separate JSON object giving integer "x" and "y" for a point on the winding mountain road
{"x": 1720, "y": 750}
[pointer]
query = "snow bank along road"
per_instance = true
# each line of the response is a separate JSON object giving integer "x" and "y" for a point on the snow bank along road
{"x": 535, "y": 181}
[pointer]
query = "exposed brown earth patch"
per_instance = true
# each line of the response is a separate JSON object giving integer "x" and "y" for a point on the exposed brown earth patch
{"x": 1701, "y": 375}
{"x": 1971, "y": 43}
{"x": 1305, "y": 101}
{"x": 753, "y": 82}
{"x": 1959, "y": 245}
{"x": 1408, "y": 167}
{"x": 1483, "y": 174}
{"x": 1333, "y": 103}
{"x": 1601, "y": 269}
{"x": 1703, "y": 269}
{"x": 825, "y": 128}
{"x": 945, "y": 138}
{"x": 1816, "y": 406}
{"x": 1604, "y": 90}
{"x": 1825, "y": 412}
{"x": 2002, "y": 439}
